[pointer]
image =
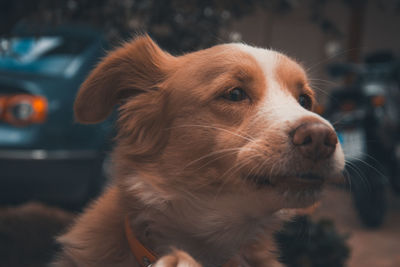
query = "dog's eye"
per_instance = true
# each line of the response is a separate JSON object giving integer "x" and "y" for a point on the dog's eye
{"x": 236, "y": 94}
{"x": 305, "y": 101}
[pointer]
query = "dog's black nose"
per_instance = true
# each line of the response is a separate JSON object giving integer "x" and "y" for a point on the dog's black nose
{"x": 314, "y": 140}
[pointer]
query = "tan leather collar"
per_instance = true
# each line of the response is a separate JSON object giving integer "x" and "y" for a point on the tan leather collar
{"x": 144, "y": 256}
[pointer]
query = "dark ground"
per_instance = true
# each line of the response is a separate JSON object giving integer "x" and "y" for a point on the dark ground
{"x": 26, "y": 232}
{"x": 369, "y": 248}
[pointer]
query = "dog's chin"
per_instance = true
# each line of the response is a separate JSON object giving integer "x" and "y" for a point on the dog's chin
{"x": 297, "y": 190}
{"x": 295, "y": 182}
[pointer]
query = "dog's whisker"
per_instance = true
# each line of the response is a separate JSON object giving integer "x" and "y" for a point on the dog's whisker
{"x": 346, "y": 177}
{"x": 250, "y": 139}
{"x": 329, "y": 95}
{"x": 323, "y": 81}
{"x": 367, "y": 164}
{"x": 370, "y": 157}
{"x": 225, "y": 177}
{"x": 228, "y": 154}
{"x": 239, "y": 166}
{"x": 232, "y": 150}
{"x": 233, "y": 169}
{"x": 259, "y": 168}
{"x": 309, "y": 69}
{"x": 206, "y": 184}
{"x": 359, "y": 173}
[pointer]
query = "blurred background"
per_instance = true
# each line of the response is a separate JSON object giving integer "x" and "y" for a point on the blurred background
{"x": 51, "y": 166}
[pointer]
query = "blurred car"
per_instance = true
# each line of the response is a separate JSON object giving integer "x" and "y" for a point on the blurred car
{"x": 44, "y": 154}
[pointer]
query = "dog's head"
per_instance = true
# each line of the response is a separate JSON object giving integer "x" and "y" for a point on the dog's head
{"x": 231, "y": 119}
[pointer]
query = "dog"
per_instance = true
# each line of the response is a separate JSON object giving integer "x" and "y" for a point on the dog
{"x": 213, "y": 148}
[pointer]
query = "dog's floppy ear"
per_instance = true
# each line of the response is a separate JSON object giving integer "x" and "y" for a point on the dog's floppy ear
{"x": 136, "y": 67}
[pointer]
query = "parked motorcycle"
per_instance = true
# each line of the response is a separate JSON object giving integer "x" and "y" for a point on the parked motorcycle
{"x": 366, "y": 115}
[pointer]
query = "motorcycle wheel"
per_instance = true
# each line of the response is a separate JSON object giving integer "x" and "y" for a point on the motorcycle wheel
{"x": 369, "y": 194}
{"x": 396, "y": 181}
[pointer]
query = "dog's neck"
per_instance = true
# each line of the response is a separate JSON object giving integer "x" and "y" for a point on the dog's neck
{"x": 211, "y": 229}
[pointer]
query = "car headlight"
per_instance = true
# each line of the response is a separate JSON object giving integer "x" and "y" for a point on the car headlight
{"x": 23, "y": 109}
{"x": 2, "y": 106}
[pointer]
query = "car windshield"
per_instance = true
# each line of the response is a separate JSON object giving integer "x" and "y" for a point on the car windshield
{"x": 47, "y": 55}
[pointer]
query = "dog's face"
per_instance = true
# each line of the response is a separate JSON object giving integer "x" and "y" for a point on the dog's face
{"x": 229, "y": 120}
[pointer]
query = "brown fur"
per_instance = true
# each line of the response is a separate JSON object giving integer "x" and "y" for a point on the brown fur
{"x": 183, "y": 157}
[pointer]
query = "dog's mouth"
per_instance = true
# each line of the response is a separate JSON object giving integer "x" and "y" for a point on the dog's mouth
{"x": 300, "y": 180}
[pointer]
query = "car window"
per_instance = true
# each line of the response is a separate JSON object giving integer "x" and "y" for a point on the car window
{"x": 48, "y": 55}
